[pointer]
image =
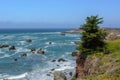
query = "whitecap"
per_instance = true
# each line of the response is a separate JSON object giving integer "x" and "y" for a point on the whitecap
{"x": 49, "y": 42}
{"x": 51, "y": 33}
{"x": 64, "y": 68}
{"x": 5, "y": 55}
{"x": 21, "y": 49}
{"x": 16, "y": 77}
{"x": 67, "y": 52}
{"x": 22, "y": 42}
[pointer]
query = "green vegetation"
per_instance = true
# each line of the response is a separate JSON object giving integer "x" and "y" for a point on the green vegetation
{"x": 109, "y": 63}
{"x": 99, "y": 59}
{"x": 93, "y": 37}
{"x": 92, "y": 41}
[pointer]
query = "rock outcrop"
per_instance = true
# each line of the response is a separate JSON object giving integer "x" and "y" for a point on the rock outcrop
{"x": 12, "y": 48}
{"x": 4, "y": 45}
{"x": 61, "y": 60}
{"x": 59, "y": 76}
{"x": 40, "y": 51}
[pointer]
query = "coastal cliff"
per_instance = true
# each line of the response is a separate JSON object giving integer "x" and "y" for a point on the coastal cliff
{"x": 102, "y": 66}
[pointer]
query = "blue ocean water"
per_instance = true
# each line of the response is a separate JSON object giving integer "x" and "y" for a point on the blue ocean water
{"x": 35, "y": 66}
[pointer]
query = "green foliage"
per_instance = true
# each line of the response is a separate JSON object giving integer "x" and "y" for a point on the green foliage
{"x": 73, "y": 79}
{"x": 109, "y": 64}
{"x": 92, "y": 36}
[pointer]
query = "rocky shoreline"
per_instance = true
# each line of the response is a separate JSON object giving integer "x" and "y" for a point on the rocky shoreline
{"x": 112, "y": 34}
{"x": 79, "y": 31}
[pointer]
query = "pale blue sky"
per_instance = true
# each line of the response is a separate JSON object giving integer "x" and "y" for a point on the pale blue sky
{"x": 57, "y": 13}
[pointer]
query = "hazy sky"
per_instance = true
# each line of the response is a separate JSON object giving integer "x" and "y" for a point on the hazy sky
{"x": 57, "y": 13}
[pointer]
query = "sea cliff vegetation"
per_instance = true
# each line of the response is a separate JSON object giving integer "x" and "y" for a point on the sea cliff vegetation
{"x": 99, "y": 57}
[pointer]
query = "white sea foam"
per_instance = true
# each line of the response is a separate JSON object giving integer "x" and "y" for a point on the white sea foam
{"x": 16, "y": 77}
{"x": 5, "y": 55}
{"x": 72, "y": 42}
{"x": 72, "y": 35}
{"x": 22, "y": 42}
{"x": 8, "y": 37}
{"x": 49, "y": 42}
{"x": 67, "y": 52}
{"x": 50, "y": 33}
{"x": 21, "y": 49}
{"x": 64, "y": 68}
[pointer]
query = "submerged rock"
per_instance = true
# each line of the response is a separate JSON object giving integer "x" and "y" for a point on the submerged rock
{"x": 52, "y": 69}
{"x": 29, "y": 40}
{"x": 40, "y": 51}
{"x": 63, "y": 33}
{"x": 59, "y": 76}
{"x": 48, "y": 74}
{"x": 15, "y": 59}
{"x": 50, "y": 42}
{"x": 12, "y": 48}
{"x": 53, "y": 60}
{"x": 24, "y": 55}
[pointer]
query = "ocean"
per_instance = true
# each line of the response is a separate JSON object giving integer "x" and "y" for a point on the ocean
{"x": 36, "y": 66}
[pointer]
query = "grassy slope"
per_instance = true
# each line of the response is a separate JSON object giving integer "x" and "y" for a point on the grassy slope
{"x": 109, "y": 63}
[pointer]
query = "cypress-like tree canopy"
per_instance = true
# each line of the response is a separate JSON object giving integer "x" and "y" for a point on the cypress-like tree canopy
{"x": 93, "y": 36}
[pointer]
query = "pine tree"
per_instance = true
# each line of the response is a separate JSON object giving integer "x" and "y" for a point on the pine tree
{"x": 93, "y": 36}
{"x": 92, "y": 41}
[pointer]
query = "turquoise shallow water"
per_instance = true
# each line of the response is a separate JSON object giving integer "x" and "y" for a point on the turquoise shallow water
{"x": 35, "y": 66}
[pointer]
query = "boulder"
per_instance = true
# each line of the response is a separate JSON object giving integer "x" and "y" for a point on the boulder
{"x": 12, "y": 48}
{"x": 24, "y": 55}
{"x": 53, "y": 60}
{"x": 33, "y": 49}
{"x": 40, "y": 51}
{"x": 75, "y": 54}
{"x": 59, "y": 76}
{"x": 61, "y": 60}
{"x": 4, "y": 45}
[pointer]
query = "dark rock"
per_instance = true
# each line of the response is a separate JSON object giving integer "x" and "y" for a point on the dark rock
{"x": 29, "y": 40}
{"x": 50, "y": 42}
{"x": 75, "y": 53}
{"x": 48, "y": 74}
{"x": 12, "y": 48}
{"x": 61, "y": 60}
{"x": 58, "y": 65}
{"x": 52, "y": 69}
{"x": 77, "y": 42}
{"x": 59, "y": 76}
{"x": 70, "y": 73}
{"x": 5, "y": 35}
{"x": 40, "y": 51}
{"x": 15, "y": 59}
{"x": 53, "y": 60}
{"x": 33, "y": 49}
{"x": 63, "y": 33}
{"x": 24, "y": 55}
{"x": 4, "y": 45}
